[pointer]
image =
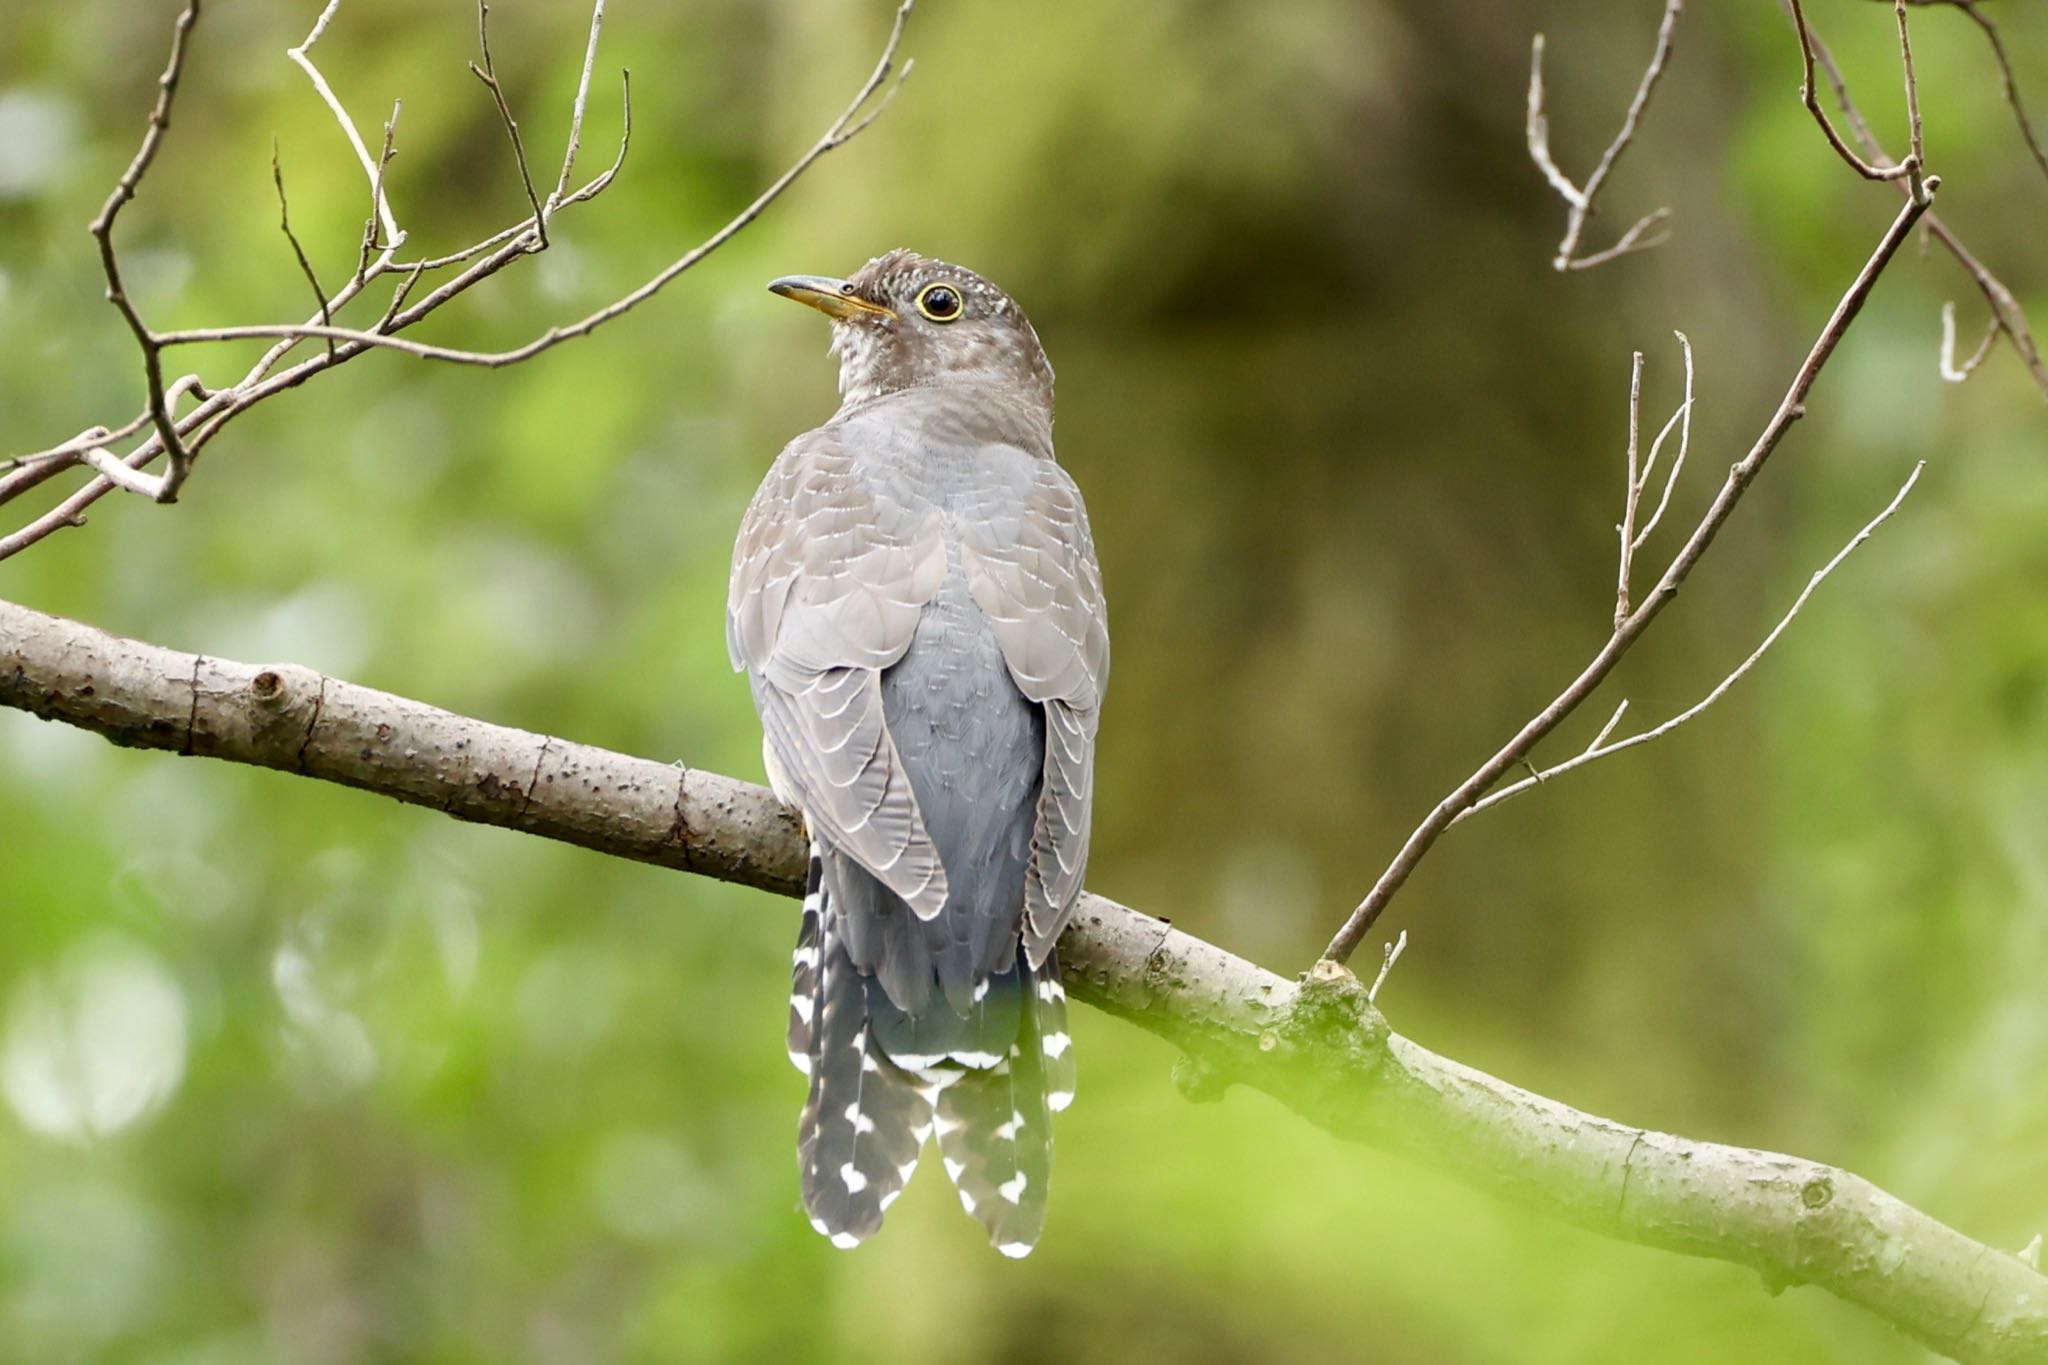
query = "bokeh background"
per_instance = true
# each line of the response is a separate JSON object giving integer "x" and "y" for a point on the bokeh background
{"x": 293, "y": 1074}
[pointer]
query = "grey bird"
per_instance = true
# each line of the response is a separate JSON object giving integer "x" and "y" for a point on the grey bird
{"x": 916, "y": 602}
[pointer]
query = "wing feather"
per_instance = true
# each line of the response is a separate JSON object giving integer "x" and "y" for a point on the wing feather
{"x": 829, "y": 577}
{"x": 1033, "y": 570}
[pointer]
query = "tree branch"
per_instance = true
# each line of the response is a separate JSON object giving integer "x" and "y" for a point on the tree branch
{"x": 1626, "y": 631}
{"x": 185, "y": 436}
{"x": 1318, "y": 1047}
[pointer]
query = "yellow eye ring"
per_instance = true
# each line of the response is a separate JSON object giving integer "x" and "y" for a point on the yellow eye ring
{"x": 940, "y": 302}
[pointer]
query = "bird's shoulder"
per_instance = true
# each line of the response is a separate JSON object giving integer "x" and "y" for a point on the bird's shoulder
{"x": 836, "y": 550}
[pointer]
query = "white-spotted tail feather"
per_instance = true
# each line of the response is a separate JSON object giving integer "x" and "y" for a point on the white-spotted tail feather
{"x": 865, "y": 1120}
{"x": 803, "y": 967}
{"x": 995, "y": 1135}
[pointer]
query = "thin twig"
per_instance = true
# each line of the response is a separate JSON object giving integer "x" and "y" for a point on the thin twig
{"x": 1388, "y": 957}
{"x": 370, "y": 247}
{"x": 2012, "y": 319}
{"x": 381, "y": 198}
{"x": 284, "y": 222}
{"x": 69, "y": 451}
{"x": 2005, "y": 76}
{"x": 1811, "y": 99}
{"x": 1639, "y": 472}
{"x": 1916, "y": 157}
{"x": 1744, "y": 472}
{"x": 164, "y": 489}
{"x": 488, "y": 74}
{"x": 1629, "y": 242}
{"x": 847, "y": 126}
{"x": 590, "y": 190}
{"x": 1634, "y": 490}
{"x": 1952, "y": 372}
{"x": 1600, "y": 748}
{"x": 576, "y": 113}
{"x": 1605, "y": 730}
{"x": 482, "y": 260}
{"x": 1683, "y": 416}
{"x": 1579, "y": 203}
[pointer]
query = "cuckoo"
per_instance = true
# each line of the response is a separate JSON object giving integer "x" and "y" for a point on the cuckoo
{"x": 916, "y": 603}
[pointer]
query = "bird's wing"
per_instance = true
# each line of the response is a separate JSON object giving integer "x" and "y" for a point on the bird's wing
{"x": 1031, "y": 567}
{"x": 828, "y": 578}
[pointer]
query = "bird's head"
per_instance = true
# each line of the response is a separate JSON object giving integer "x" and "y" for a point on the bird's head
{"x": 904, "y": 321}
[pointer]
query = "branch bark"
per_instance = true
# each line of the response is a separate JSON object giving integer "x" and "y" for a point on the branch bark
{"x": 1319, "y": 1046}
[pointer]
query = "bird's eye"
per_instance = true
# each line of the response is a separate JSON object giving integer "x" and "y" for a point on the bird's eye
{"x": 939, "y": 302}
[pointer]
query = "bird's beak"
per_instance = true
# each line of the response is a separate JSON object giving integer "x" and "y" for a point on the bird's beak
{"x": 834, "y": 298}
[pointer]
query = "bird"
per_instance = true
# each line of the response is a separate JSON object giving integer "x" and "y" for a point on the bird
{"x": 918, "y": 608}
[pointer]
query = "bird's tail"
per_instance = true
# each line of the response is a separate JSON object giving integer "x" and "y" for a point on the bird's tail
{"x": 869, "y": 1114}
{"x": 995, "y": 1124}
{"x": 866, "y": 1120}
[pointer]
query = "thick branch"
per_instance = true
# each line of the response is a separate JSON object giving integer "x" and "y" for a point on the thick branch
{"x": 1319, "y": 1048}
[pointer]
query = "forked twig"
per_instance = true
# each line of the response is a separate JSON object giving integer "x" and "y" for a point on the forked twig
{"x": 164, "y": 488}
{"x": 284, "y": 222}
{"x": 488, "y": 74}
{"x": 300, "y": 55}
{"x": 2005, "y": 77}
{"x": 2012, "y": 319}
{"x": 1950, "y": 370}
{"x": 1740, "y": 476}
{"x": 186, "y": 435}
{"x": 1600, "y": 747}
{"x": 1631, "y": 536}
{"x": 1579, "y": 202}
{"x": 858, "y": 115}
{"x": 1811, "y": 99}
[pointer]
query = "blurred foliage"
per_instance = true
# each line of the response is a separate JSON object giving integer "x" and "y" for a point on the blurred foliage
{"x": 296, "y": 1075}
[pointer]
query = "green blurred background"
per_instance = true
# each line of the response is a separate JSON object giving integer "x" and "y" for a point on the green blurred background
{"x": 294, "y": 1074}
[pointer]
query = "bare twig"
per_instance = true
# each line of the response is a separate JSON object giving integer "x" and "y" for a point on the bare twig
{"x": 165, "y": 488}
{"x": 1683, "y": 416}
{"x": 1579, "y": 202}
{"x": 1389, "y": 955}
{"x": 847, "y": 126}
{"x": 1789, "y": 410}
{"x": 381, "y": 201}
{"x": 1916, "y": 157}
{"x": 478, "y": 262}
{"x": 1631, "y": 537}
{"x": 1605, "y": 731}
{"x": 371, "y": 246}
{"x": 1811, "y": 99}
{"x": 488, "y": 74}
{"x": 2012, "y": 319}
{"x": 1627, "y": 529}
{"x": 576, "y": 113}
{"x": 1952, "y": 372}
{"x": 2005, "y": 77}
{"x": 1600, "y": 748}
{"x": 284, "y": 222}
